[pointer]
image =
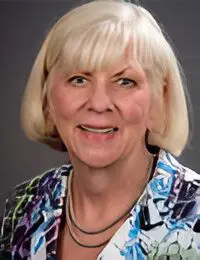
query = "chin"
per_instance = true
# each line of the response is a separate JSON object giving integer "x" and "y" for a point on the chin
{"x": 95, "y": 153}
{"x": 98, "y": 160}
{"x": 98, "y": 164}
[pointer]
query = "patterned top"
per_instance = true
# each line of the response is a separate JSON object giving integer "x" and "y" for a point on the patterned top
{"x": 164, "y": 224}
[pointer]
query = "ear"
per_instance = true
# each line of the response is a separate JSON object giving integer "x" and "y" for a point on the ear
{"x": 157, "y": 116}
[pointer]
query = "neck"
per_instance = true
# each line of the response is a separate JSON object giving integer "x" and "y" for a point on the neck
{"x": 100, "y": 190}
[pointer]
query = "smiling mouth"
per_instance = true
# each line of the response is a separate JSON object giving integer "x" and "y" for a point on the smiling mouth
{"x": 109, "y": 130}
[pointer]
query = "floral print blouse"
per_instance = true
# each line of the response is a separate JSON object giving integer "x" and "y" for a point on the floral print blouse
{"x": 163, "y": 225}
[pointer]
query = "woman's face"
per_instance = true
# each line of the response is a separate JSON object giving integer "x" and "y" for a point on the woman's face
{"x": 102, "y": 116}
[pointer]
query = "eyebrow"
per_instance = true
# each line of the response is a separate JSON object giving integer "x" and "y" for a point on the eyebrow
{"x": 121, "y": 72}
{"x": 87, "y": 73}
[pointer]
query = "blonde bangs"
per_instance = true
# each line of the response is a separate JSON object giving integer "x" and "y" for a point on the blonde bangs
{"x": 97, "y": 48}
{"x": 104, "y": 44}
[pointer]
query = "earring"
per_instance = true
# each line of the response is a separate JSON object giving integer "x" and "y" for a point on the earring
{"x": 153, "y": 149}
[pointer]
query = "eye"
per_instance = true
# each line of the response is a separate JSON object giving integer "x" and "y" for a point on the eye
{"x": 78, "y": 81}
{"x": 127, "y": 83}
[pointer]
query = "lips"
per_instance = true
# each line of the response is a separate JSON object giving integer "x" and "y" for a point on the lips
{"x": 98, "y": 129}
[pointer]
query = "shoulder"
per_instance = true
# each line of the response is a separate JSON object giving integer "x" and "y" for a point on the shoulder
{"x": 169, "y": 165}
{"x": 181, "y": 184}
{"x": 25, "y": 196}
{"x": 186, "y": 177}
{"x": 176, "y": 195}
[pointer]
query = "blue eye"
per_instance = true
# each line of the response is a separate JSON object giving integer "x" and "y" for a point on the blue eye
{"x": 126, "y": 82}
{"x": 78, "y": 81}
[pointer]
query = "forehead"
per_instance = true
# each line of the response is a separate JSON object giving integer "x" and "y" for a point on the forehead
{"x": 125, "y": 64}
{"x": 119, "y": 66}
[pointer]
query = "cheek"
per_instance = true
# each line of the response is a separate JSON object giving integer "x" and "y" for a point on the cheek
{"x": 63, "y": 104}
{"x": 137, "y": 107}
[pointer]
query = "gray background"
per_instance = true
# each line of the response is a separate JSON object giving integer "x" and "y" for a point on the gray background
{"x": 23, "y": 26}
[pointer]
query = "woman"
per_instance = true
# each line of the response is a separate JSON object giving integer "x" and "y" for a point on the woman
{"x": 106, "y": 87}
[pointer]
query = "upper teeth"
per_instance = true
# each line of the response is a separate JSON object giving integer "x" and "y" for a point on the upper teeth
{"x": 97, "y": 130}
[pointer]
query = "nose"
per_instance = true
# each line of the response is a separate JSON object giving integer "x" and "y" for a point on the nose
{"x": 99, "y": 99}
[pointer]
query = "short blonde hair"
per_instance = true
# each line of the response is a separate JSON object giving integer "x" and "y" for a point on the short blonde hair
{"x": 94, "y": 36}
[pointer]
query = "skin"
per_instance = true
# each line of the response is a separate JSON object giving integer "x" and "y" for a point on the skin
{"x": 110, "y": 170}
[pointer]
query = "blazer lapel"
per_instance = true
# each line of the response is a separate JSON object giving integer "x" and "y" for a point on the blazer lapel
{"x": 39, "y": 227}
